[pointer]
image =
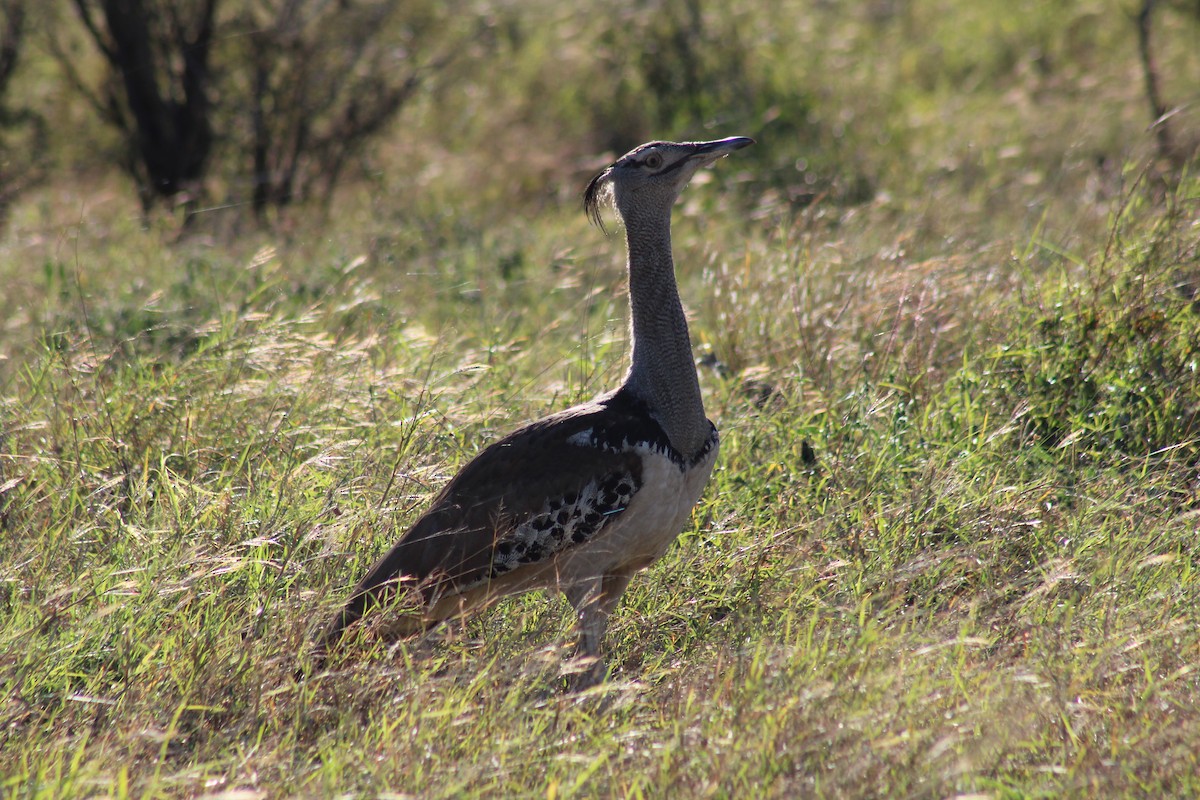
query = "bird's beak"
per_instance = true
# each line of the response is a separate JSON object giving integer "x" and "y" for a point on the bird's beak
{"x": 708, "y": 152}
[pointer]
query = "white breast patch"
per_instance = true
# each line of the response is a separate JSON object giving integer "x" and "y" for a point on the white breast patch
{"x": 651, "y": 522}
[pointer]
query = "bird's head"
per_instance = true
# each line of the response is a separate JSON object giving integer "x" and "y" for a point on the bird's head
{"x": 649, "y": 178}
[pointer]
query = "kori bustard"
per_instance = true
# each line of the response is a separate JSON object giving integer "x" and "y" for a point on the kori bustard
{"x": 583, "y": 499}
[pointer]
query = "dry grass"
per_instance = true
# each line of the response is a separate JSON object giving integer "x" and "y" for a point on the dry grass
{"x": 949, "y": 548}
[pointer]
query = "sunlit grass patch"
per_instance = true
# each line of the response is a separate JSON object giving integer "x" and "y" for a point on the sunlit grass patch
{"x": 945, "y": 319}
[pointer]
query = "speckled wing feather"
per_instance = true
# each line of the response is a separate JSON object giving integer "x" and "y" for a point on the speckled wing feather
{"x": 549, "y": 486}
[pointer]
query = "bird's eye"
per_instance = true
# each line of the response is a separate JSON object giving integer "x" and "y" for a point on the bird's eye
{"x": 653, "y": 161}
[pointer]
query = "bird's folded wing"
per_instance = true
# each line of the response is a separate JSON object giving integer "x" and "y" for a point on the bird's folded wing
{"x": 521, "y": 501}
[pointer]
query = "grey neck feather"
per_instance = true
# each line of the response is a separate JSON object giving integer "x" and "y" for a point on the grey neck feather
{"x": 663, "y": 372}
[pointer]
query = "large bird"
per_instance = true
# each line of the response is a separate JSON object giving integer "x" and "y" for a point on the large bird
{"x": 585, "y": 498}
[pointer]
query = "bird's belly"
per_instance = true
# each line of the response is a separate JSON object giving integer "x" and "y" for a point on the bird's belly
{"x": 644, "y": 531}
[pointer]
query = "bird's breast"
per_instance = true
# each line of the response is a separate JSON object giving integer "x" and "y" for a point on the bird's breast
{"x": 654, "y": 516}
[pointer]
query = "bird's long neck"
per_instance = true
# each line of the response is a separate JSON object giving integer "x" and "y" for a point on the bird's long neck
{"x": 663, "y": 372}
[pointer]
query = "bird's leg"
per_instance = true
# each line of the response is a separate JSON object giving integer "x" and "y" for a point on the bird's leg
{"x": 594, "y": 601}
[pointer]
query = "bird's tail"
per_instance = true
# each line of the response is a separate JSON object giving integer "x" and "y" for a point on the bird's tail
{"x": 372, "y": 592}
{"x": 329, "y": 635}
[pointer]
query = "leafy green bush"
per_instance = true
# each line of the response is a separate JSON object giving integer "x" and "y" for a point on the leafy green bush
{"x": 1108, "y": 361}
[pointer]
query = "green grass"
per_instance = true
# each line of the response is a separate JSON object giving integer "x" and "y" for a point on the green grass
{"x": 980, "y": 315}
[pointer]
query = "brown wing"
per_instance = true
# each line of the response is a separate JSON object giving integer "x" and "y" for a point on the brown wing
{"x": 535, "y": 493}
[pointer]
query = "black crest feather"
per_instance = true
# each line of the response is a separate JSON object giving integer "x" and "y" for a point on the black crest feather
{"x": 593, "y": 198}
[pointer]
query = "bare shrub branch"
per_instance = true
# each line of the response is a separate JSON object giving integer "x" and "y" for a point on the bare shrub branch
{"x": 323, "y": 80}
{"x": 1169, "y": 148}
{"x": 294, "y": 90}
{"x": 1158, "y": 109}
{"x": 21, "y": 130}
{"x": 11, "y": 33}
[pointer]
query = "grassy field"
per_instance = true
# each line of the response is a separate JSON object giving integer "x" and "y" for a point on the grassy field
{"x": 953, "y": 269}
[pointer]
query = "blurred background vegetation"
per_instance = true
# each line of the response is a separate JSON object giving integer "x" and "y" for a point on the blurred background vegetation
{"x": 216, "y": 107}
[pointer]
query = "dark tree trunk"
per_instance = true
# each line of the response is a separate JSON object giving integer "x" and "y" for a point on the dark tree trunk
{"x": 169, "y": 110}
